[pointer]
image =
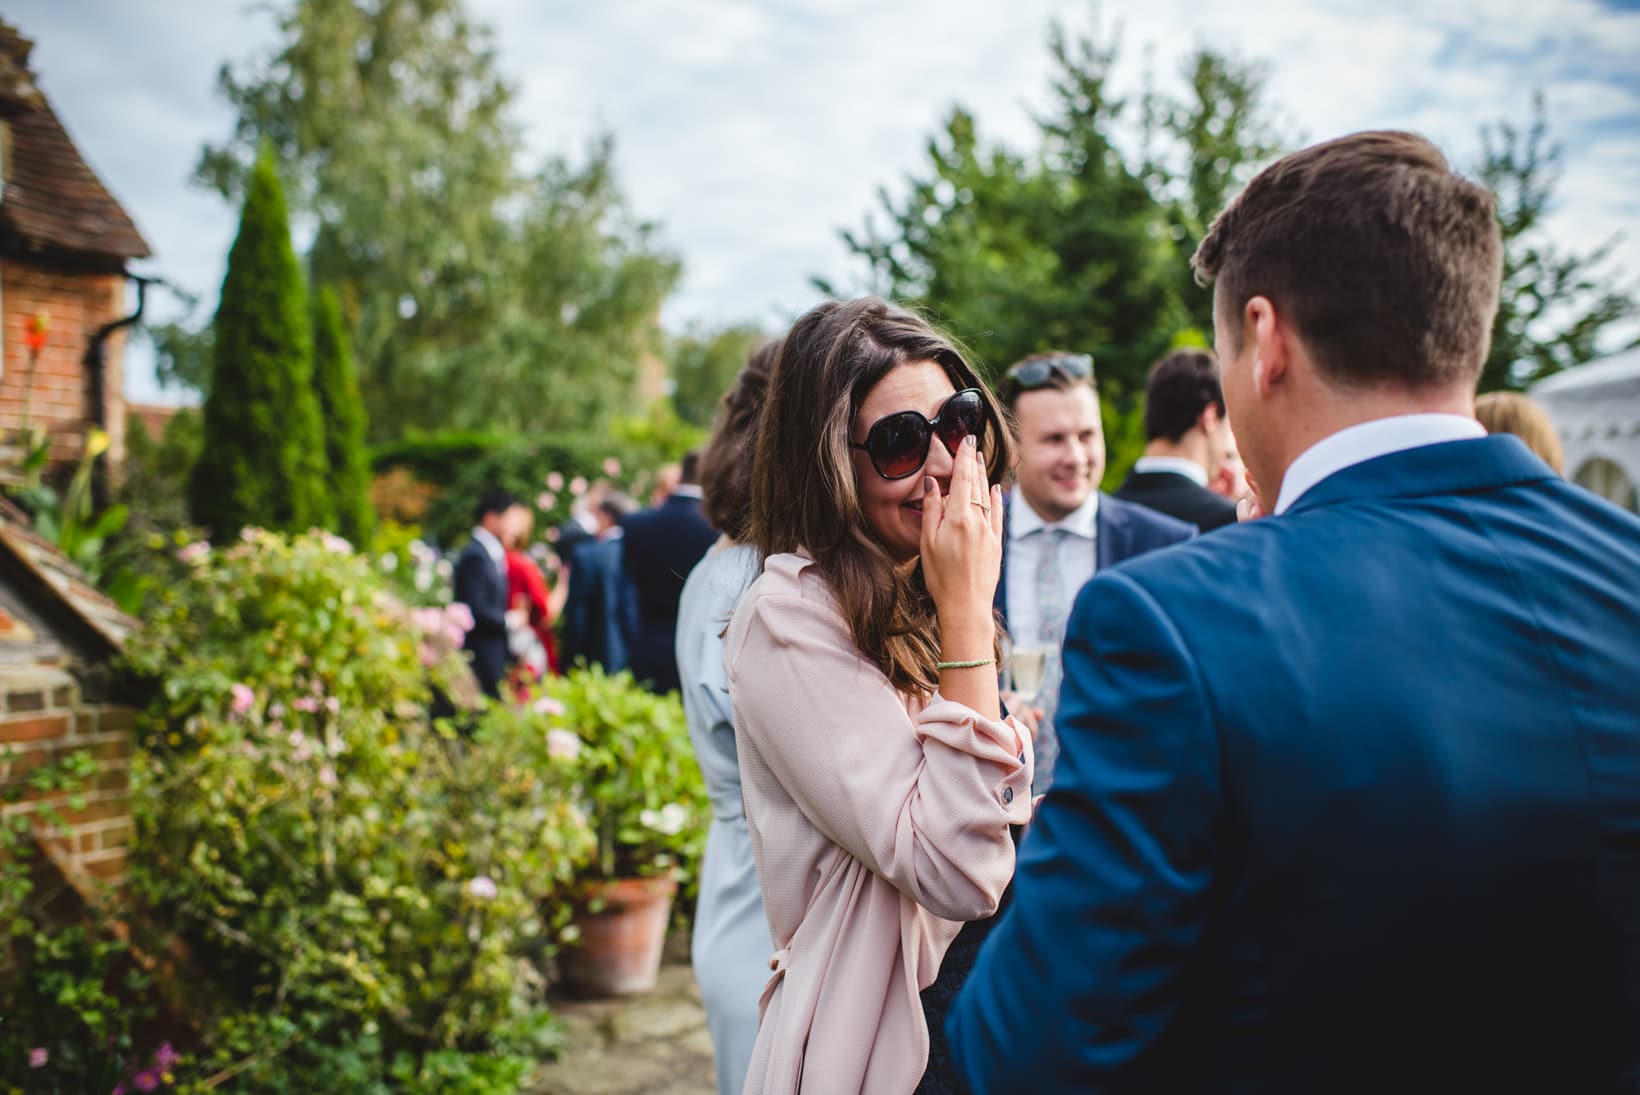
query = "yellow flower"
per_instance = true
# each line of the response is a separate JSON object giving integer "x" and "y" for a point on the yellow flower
{"x": 96, "y": 442}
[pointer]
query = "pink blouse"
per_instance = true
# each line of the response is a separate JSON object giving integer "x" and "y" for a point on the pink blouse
{"x": 879, "y": 822}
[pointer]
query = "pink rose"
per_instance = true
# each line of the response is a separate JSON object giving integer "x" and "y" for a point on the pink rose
{"x": 555, "y": 481}
{"x": 38, "y": 1057}
{"x": 429, "y": 621}
{"x": 578, "y": 485}
{"x": 459, "y": 615}
{"x": 483, "y": 888}
{"x": 243, "y": 698}
{"x": 429, "y": 655}
{"x": 327, "y": 776}
{"x": 333, "y": 705}
{"x": 195, "y": 553}
{"x": 545, "y": 501}
{"x": 546, "y": 705}
{"x": 305, "y": 703}
{"x": 612, "y": 467}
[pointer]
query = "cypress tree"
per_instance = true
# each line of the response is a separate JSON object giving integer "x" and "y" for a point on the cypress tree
{"x": 342, "y": 412}
{"x": 262, "y": 460}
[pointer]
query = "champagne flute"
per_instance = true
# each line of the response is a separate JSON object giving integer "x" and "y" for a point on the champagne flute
{"x": 1028, "y": 664}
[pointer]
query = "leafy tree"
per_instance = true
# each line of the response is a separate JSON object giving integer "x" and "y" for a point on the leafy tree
{"x": 1201, "y": 150}
{"x": 342, "y": 412}
{"x": 704, "y": 365}
{"x": 1558, "y": 309}
{"x": 1064, "y": 248}
{"x": 261, "y": 462}
{"x": 459, "y": 275}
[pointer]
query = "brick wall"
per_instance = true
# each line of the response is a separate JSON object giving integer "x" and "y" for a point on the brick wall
{"x": 77, "y": 305}
{"x": 43, "y": 717}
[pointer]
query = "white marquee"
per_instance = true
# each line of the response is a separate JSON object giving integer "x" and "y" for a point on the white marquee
{"x": 1596, "y": 407}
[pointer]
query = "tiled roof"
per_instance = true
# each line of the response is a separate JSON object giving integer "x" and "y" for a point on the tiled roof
{"x": 61, "y": 580}
{"x": 52, "y": 199}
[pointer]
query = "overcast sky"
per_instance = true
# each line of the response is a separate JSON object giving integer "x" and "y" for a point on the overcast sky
{"x": 753, "y": 131}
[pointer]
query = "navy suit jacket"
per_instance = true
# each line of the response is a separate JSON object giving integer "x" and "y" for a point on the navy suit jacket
{"x": 663, "y": 544}
{"x": 481, "y": 586}
{"x": 599, "y": 612}
{"x": 1122, "y": 531}
{"x": 1348, "y": 801}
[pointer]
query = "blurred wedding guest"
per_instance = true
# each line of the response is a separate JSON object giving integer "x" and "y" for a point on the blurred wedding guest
{"x": 600, "y": 613}
{"x": 667, "y": 479}
{"x": 1512, "y": 412}
{"x": 535, "y": 609}
{"x": 880, "y": 779}
{"x": 582, "y": 524}
{"x": 1061, "y": 528}
{"x": 663, "y": 544}
{"x": 1349, "y": 800}
{"x": 481, "y": 585}
{"x": 730, "y": 949}
{"x": 1186, "y": 438}
{"x": 1229, "y": 479}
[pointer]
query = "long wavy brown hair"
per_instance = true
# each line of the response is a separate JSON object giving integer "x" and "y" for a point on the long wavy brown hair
{"x": 726, "y": 463}
{"x": 804, "y": 496}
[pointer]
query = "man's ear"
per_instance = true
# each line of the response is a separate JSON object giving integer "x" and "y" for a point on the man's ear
{"x": 1271, "y": 352}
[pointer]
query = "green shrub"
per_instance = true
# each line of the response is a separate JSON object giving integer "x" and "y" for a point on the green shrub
{"x": 372, "y": 889}
{"x": 636, "y": 773}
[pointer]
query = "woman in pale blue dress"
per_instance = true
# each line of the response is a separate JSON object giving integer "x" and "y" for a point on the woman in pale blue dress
{"x": 731, "y": 946}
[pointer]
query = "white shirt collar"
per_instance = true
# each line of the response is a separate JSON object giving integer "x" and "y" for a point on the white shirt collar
{"x": 1367, "y": 441}
{"x": 1176, "y": 465}
{"x": 1082, "y": 521}
{"x": 492, "y": 547}
{"x": 688, "y": 490}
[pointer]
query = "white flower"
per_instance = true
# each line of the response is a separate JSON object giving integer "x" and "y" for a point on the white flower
{"x": 571, "y": 933}
{"x": 444, "y": 568}
{"x": 668, "y": 820}
{"x": 563, "y": 745}
{"x": 389, "y": 563}
{"x": 482, "y": 888}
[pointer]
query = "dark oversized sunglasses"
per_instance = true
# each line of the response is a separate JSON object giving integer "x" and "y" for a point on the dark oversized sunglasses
{"x": 898, "y": 443}
{"x": 1030, "y": 375}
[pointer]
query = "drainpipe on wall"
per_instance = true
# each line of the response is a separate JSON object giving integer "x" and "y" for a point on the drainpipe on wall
{"x": 95, "y": 366}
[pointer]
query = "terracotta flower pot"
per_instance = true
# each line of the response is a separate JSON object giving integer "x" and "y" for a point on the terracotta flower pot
{"x": 623, "y": 926}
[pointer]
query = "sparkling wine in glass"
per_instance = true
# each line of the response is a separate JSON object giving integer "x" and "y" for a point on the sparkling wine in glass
{"x": 1028, "y": 664}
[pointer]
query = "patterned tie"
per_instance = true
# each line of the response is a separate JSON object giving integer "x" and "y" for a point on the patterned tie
{"x": 1050, "y": 608}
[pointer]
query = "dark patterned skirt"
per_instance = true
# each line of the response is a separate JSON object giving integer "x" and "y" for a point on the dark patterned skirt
{"x": 941, "y": 1078}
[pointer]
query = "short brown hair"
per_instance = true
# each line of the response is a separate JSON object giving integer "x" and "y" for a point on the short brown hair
{"x": 1179, "y": 388}
{"x": 1386, "y": 261}
{"x": 804, "y": 494}
{"x": 726, "y": 462}
{"x": 1511, "y": 412}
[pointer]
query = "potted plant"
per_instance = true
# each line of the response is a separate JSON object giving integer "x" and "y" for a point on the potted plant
{"x": 643, "y": 794}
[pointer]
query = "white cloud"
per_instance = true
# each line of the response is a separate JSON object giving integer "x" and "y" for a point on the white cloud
{"x": 753, "y": 130}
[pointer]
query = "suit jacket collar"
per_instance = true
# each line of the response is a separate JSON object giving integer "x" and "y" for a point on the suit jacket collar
{"x": 1449, "y": 467}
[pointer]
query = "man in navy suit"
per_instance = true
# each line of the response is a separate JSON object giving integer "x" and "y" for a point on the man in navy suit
{"x": 1059, "y": 528}
{"x": 481, "y": 585}
{"x": 1187, "y": 440}
{"x": 663, "y": 544}
{"x": 600, "y": 613}
{"x": 1349, "y": 797}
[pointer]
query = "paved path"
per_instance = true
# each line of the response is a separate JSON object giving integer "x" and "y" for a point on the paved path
{"x": 655, "y": 1044}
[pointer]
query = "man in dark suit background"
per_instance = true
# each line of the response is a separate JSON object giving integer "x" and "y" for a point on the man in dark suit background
{"x": 1187, "y": 438}
{"x": 600, "y": 613}
{"x": 1059, "y": 528}
{"x": 663, "y": 544}
{"x": 1349, "y": 797}
{"x": 481, "y": 585}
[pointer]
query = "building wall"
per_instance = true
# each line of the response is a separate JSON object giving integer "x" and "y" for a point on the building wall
{"x": 76, "y": 305}
{"x": 45, "y": 717}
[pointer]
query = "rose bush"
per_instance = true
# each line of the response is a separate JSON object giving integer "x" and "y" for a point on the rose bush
{"x": 371, "y": 890}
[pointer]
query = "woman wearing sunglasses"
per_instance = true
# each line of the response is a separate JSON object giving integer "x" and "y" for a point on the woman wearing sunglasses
{"x": 880, "y": 780}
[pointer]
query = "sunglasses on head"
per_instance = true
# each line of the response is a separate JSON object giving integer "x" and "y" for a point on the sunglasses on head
{"x": 1030, "y": 375}
{"x": 898, "y": 443}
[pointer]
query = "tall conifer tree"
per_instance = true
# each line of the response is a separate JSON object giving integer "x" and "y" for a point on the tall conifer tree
{"x": 342, "y": 410}
{"x": 263, "y": 458}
